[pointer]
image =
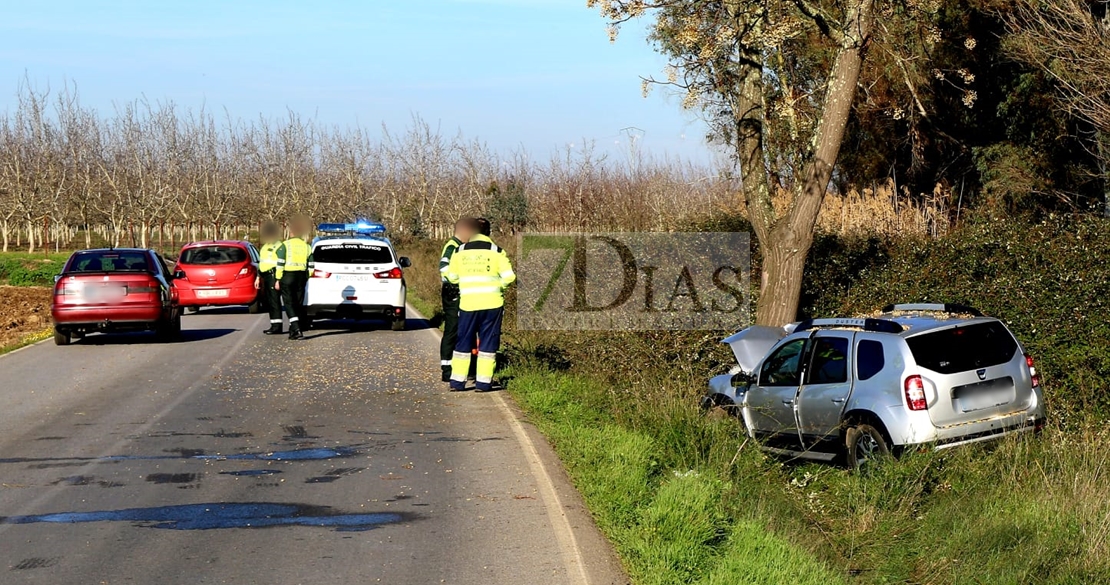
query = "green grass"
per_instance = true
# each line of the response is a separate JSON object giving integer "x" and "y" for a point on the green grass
{"x": 27, "y": 340}
{"x": 23, "y": 269}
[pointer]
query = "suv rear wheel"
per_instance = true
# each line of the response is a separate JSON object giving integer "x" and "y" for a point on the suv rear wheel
{"x": 865, "y": 445}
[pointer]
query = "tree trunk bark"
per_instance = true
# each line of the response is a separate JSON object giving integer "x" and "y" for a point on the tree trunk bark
{"x": 30, "y": 237}
{"x": 786, "y": 246}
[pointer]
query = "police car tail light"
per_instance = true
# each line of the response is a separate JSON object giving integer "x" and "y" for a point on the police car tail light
{"x": 391, "y": 273}
{"x": 321, "y": 274}
{"x": 915, "y": 393}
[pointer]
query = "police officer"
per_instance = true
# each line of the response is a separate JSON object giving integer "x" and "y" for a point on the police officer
{"x": 449, "y": 294}
{"x": 267, "y": 274}
{"x": 293, "y": 266}
{"x": 482, "y": 271}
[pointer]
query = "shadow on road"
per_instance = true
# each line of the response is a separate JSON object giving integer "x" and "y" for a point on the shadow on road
{"x": 329, "y": 327}
{"x": 144, "y": 337}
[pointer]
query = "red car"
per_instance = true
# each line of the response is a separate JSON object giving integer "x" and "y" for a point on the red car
{"x": 113, "y": 290}
{"x": 217, "y": 274}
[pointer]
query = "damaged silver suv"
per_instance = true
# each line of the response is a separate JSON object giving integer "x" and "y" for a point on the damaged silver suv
{"x": 916, "y": 374}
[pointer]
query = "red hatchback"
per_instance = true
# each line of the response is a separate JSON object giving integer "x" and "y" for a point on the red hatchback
{"x": 114, "y": 289}
{"x": 217, "y": 274}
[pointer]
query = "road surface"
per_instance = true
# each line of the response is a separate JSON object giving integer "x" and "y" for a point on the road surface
{"x": 231, "y": 457}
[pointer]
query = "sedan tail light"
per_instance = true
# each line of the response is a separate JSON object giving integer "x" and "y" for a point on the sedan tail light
{"x": 72, "y": 289}
{"x": 915, "y": 393}
{"x": 391, "y": 273}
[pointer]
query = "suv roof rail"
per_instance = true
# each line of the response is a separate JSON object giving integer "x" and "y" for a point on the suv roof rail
{"x": 954, "y": 308}
{"x": 877, "y": 325}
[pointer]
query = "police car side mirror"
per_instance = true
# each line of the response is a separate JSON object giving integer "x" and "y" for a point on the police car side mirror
{"x": 404, "y": 262}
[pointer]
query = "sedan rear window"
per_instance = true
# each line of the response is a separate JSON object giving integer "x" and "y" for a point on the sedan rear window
{"x": 109, "y": 261}
{"x": 962, "y": 349}
{"x": 352, "y": 253}
{"x": 213, "y": 255}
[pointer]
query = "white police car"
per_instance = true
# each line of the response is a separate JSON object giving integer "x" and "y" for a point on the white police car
{"x": 357, "y": 275}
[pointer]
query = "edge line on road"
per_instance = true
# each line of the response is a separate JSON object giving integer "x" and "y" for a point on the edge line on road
{"x": 560, "y": 524}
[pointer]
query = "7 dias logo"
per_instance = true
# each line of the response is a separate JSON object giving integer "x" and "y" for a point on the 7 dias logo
{"x": 641, "y": 281}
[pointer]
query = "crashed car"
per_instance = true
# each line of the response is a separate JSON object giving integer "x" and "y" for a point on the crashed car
{"x": 856, "y": 389}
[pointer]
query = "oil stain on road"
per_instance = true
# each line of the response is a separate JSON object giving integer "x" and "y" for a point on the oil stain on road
{"x": 226, "y": 515}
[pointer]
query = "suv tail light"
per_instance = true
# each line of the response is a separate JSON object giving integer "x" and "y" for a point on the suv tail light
{"x": 915, "y": 393}
{"x": 320, "y": 274}
{"x": 1036, "y": 379}
{"x": 391, "y": 273}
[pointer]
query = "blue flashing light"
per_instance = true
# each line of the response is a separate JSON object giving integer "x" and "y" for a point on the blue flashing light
{"x": 361, "y": 227}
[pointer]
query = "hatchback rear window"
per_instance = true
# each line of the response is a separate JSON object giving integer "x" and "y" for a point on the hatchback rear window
{"x": 352, "y": 253}
{"x": 961, "y": 349}
{"x": 109, "y": 261}
{"x": 213, "y": 255}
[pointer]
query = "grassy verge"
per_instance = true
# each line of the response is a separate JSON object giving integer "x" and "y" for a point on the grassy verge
{"x": 27, "y": 340}
{"x": 23, "y": 269}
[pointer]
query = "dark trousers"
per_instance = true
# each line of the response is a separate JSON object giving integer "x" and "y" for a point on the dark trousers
{"x": 273, "y": 297}
{"x": 450, "y": 296}
{"x": 292, "y": 294}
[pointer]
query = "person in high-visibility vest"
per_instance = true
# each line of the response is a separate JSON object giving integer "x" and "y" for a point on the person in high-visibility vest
{"x": 449, "y": 294}
{"x": 483, "y": 271}
{"x": 267, "y": 274}
{"x": 294, "y": 266}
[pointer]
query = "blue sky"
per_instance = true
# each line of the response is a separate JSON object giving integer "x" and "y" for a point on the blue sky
{"x": 534, "y": 73}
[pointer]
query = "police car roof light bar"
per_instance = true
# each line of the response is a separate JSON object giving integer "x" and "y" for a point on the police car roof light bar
{"x": 361, "y": 228}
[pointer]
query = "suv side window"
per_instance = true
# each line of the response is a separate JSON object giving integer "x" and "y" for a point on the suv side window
{"x": 830, "y": 361}
{"x": 870, "y": 359}
{"x": 784, "y": 366}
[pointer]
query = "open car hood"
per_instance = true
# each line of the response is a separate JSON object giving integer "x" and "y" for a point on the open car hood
{"x": 752, "y": 344}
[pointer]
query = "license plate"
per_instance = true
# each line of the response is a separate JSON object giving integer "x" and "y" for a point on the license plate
{"x": 983, "y": 400}
{"x": 106, "y": 292}
{"x": 353, "y": 278}
{"x": 212, "y": 293}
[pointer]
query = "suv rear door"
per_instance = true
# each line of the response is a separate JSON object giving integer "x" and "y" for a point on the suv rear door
{"x": 825, "y": 389}
{"x": 350, "y": 269}
{"x": 977, "y": 370}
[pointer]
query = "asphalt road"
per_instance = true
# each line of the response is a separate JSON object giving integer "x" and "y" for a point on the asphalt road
{"x": 231, "y": 457}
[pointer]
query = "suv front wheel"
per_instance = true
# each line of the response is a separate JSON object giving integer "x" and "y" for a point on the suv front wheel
{"x": 864, "y": 445}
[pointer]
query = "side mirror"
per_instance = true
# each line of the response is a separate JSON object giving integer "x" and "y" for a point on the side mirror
{"x": 742, "y": 379}
{"x": 178, "y": 274}
{"x": 404, "y": 262}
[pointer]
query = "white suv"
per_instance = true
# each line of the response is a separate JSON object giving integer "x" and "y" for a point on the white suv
{"x": 357, "y": 274}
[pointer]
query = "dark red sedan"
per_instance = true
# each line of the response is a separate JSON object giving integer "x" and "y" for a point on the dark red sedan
{"x": 116, "y": 289}
{"x": 217, "y": 273}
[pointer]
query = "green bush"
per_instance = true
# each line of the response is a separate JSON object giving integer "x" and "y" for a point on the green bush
{"x": 19, "y": 269}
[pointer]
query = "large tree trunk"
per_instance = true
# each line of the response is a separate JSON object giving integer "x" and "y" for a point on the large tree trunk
{"x": 787, "y": 244}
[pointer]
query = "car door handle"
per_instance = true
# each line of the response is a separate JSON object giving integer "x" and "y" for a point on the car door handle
{"x": 788, "y": 403}
{"x": 838, "y": 400}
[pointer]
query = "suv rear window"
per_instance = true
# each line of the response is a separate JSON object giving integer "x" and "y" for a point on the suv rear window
{"x": 109, "y": 261}
{"x": 213, "y": 255}
{"x": 352, "y": 253}
{"x": 963, "y": 348}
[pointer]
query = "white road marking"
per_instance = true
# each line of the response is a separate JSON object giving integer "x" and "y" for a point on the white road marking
{"x": 560, "y": 524}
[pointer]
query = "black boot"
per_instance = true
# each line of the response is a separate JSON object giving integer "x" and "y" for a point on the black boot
{"x": 295, "y": 332}
{"x": 446, "y": 373}
{"x": 274, "y": 329}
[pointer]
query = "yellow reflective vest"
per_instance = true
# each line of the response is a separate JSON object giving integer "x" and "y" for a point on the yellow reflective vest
{"x": 294, "y": 255}
{"x": 483, "y": 271}
{"x": 267, "y": 257}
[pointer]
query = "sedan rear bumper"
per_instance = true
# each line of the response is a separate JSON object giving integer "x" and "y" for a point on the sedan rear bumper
{"x": 106, "y": 317}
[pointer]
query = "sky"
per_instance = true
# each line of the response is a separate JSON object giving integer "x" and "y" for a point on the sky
{"x": 537, "y": 74}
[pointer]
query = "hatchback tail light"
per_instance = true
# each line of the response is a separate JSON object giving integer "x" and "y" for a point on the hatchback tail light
{"x": 391, "y": 273}
{"x": 915, "y": 393}
{"x": 1036, "y": 379}
{"x": 246, "y": 271}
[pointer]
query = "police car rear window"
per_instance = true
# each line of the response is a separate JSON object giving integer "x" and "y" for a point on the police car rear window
{"x": 352, "y": 253}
